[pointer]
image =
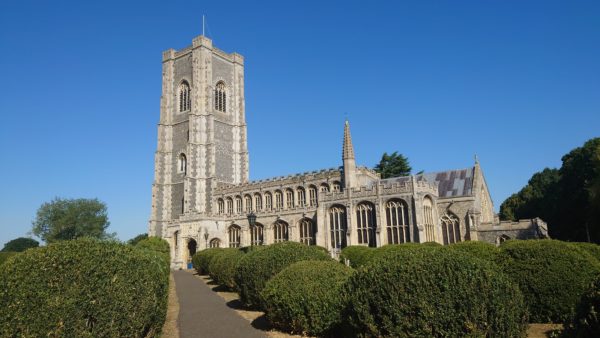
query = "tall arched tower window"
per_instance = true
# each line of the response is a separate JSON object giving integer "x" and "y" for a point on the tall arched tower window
{"x": 450, "y": 229}
{"x": 338, "y": 226}
{"x": 428, "y": 219}
{"x": 366, "y": 224}
{"x": 182, "y": 168}
{"x": 396, "y": 212}
{"x": 185, "y": 100}
{"x": 220, "y": 97}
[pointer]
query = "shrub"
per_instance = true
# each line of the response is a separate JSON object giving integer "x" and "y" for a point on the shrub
{"x": 157, "y": 246}
{"x": 258, "y": 266}
{"x": 428, "y": 291}
{"x": 591, "y": 248}
{"x": 358, "y": 255}
{"x": 586, "y": 322}
{"x": 481, "y": 250}
{"x": 83, "y": 288}
{"x": 4, "y": 256}
{"x": 305, "y": 297}
{"x": 551, "y": 274}
{"x": 223, "y": 265}
{"x": 201, "y": 260}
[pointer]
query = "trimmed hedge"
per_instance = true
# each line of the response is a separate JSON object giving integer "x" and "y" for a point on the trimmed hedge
{"x": 429, "y": 291}
{"x": 358, "y": 255}
{"x": 4, "y": 256}
{"x": 551, "y": 274}
{"x": 201, "y": 260}
{"x": 481, "y": 250}
{"x": 586, "y": 322}
{"x": 591, "y": 248}
{"x": 83, "y": 288}
{"x": 305, "y": 297}
{"x": 155, "y": 244}
{"x": 257, "y": 267}
{"x": 223, "y": 265}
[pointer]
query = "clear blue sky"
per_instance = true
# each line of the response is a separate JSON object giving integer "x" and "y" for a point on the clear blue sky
{"x": 515, "y": 82}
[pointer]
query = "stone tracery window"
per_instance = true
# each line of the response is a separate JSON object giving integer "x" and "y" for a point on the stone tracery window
{"x": 338, "y": 226}
{"x": 221, "y": 97}
{"x": 221, "y": 206}
{"x": 366, "y": 224}
{"x": 256, "y": 234}
{"x": 268, "y": 201}
{"x": 280, "y": 231}
{"x": 278, "y": 200}
{"x": 450, "y": 228}
{"x": 428, "y": 219}
{"x": 248, "y": 201}
{"x": 235, "y": 237}
{"x": 229, "y": 206}
{"x": 301, "y": 197}
{"x": 336, "y": 186}
{"x": 398, "y": 230}
{"x": 214, "y": 243}
{"x": 238, "y": 204}
{"x": 324, "y": 187}
{"x": 185, "y": 100}
{"x": 257, "y": 202}
{"x": 289, "y": 198}
{"x": 307, "y": 232}
{"x": 312, "y": 195}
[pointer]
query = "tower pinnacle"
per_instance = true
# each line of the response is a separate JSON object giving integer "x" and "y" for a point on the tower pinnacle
{"x": 348, "y": 159}
{"x": 348, "y": 148}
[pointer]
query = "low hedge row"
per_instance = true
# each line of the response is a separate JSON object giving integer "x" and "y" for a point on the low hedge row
{"x": 201, "y": 260}
{"x": 83, "y": 288}
{"x": 223, "y": 265}
{"x": 258, "y": 266}
{"x": 551, "y": 274}
{"x": 429, "y": 291}
{"x": 305, "y": 297}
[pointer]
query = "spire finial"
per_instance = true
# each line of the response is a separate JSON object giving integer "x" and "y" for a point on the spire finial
{"x": 348, "y": 148}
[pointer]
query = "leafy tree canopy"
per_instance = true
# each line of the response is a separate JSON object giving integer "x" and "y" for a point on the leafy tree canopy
{"x": 393, "y": 165}
{"x": 65, "y": 219}
{"x": 568, "y": 199}
{"x": 20, "y": 244}
{"x": 135, "y": 240}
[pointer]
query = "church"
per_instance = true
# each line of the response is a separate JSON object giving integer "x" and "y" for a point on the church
{"x": 202, "y": 196}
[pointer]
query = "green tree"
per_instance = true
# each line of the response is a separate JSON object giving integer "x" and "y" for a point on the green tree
{"x": 537, "y": 199}
{"x": 20, "y": 244}
{"x": 135, "y": 240}
{"x": 393, "y": 165}
{"x": 65, "y": 219}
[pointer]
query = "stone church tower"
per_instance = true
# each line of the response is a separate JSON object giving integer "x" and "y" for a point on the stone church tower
{"x": 201, "y": 132}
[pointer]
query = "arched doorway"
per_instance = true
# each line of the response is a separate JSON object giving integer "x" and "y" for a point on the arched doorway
{"x": 192, "y": 245}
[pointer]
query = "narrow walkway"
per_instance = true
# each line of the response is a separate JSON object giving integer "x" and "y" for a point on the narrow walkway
{"x": 202, "y": 313}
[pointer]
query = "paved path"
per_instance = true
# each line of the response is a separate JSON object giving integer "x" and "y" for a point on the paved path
{"x": 203, "y": 313}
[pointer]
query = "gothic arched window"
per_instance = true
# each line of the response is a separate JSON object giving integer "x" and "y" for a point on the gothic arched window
{"x": 238, "y": 204}
{"x": 248, "y": 201}
{"x": 185, "y": 100}
{"x": 336, "y": 186}
{"x": 450, "y": 229}
{"x": 280, "y": 231}
{"x": 182, "y": 167}
{"x": 289, "y": 198}
{"x": 278, "y": 200}
{"x": 396, "y": 212}
{"x": 301, "y": 196}
{"x": 307, "y": 232}
{"x": 221, "y": 206}
{"x": 366, "y": 224}
{"x": 214, "y": 243}
{"x": 256, "y": 234}
{"x": 312, "y": 195}
{"x": 428, "y": 219}
{"x": 338, "y": 226}
{"x": 268, "y": 201}
{"x": 229, "y": 206}
{"x": 324, "y": 187}
{"x": 234, "y": 236}
{"x": 257, "y": 202}
{"x": 220, "y": 97}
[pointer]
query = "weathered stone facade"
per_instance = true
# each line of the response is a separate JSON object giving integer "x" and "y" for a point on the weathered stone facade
{"x": 201, "y": 195}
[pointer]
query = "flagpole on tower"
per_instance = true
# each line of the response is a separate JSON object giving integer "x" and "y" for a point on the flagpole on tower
{"x": 202, "y": 24}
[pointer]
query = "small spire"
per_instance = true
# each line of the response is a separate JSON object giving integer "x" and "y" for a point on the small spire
{"x": 348, "y": 149}
{"x": 476, "y": 159}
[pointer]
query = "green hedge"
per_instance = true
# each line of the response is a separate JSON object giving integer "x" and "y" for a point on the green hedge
{"x": 201, "y": 260}
{"x": 429, "y": 291}
{"x": 83, "y": 288}
{"x": 591, "y": 248}
{"x": 4, "y": 256}
{"x": 586, "y": 322}
{"x": 482, "y": 250}
{"x": 358, "y": 255}
{"x": 304, "y": 298}
{"x": 257, "y": 267}
{"x": 551, "y": 274}
{"x": 156, "y": 246}
{"x": 223, "y": 265}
